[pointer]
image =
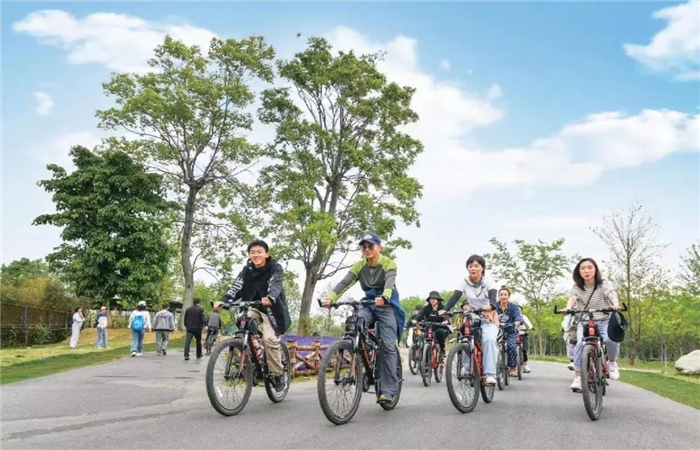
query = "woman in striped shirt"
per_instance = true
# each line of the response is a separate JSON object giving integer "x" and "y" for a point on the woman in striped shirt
{"x": 590, "y": 291}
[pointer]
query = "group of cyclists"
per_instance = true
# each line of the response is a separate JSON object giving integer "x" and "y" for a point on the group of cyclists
{"x": 261, "y": 280}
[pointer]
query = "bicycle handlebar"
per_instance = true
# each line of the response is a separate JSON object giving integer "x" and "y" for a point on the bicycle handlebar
{"x": 461, "y": 313}
{"x": 350, "y": 302}
{"x": 580, "y": 311}
{"x": 244, "y": 304}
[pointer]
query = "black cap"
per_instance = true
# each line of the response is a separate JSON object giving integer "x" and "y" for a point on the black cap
{"x": 433, "y": 294}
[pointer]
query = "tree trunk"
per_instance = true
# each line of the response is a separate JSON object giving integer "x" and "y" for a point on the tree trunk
{"x": 633, "y": 349}
{"x": 186, "y": 254}
{"x": 310, "y": 281}
{"x": 541, "y": 343}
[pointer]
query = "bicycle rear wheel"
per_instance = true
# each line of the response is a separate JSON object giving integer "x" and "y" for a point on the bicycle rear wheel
{"x": 273, "y": 394}
{"x": 591, "y": 382}
{"x": 440, "y": 369}
{"x": 229, "y": 378}
{"x": 339, "y": 382}
{"x": 501, "y": 370}
{"x": 462, "y": 378}
{"x": 519, "y": 362}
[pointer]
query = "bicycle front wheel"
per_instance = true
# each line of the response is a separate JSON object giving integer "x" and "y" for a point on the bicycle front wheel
{"x": 502, "y": 369}
{"x": 273, "y": 394}
{"x": 339, "y": 382}
{"x": 462, "y": 378}
{"x": 414, "y": 358}
{"x": 591, "y": 382}
{"x": 229, "y": 378}
{"x": 426, "y": 369}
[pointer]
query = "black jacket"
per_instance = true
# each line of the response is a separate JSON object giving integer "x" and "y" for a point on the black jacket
{"x": 194, "y": 318}
{"x": 253, "y": 284}
{"x": 430, "y": 315}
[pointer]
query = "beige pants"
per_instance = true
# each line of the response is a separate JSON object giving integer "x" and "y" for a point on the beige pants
{"x": 271, "y": 342}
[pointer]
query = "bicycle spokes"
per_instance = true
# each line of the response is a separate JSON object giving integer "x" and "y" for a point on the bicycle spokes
{"x": 342, "y": 387}
{"x": 229, "y": 377}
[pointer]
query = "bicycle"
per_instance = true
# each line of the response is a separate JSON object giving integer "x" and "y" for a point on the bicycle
{"x": 352, "y": 360}
{"x": 239, "y": 363}
{"x": 594, "y": 361}
{"x": 210, "y": 341}
{"x": 465, "y": 370}
{"x": 431, "y": 360}
{"x": 502, "y": 370}
{"x": 415, "y": 352}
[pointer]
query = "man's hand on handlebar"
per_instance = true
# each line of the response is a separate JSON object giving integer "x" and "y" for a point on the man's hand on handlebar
{"x": 379, "y": 301}
{"x": 325, "y": 303}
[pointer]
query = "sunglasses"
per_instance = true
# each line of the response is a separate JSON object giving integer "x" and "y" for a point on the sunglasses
{"x": 367, "y": 246}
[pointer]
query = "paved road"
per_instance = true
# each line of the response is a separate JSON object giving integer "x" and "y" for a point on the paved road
{"x": 161, "y": 403}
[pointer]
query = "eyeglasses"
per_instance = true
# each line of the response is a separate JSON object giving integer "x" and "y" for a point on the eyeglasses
{"x": 367, "y": 246}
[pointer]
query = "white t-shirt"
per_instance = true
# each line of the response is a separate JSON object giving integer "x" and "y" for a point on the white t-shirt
{"x": 477, "y": 293}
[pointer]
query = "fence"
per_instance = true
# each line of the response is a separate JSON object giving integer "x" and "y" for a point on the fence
{"x": 22, "y": 325}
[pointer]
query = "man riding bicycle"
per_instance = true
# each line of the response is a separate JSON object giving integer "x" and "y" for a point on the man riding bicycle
{"x": 262, "y": 280}
{"x": 377, "y": 276}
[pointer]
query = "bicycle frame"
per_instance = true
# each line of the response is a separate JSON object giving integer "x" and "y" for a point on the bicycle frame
{"x": 245, "y": 334}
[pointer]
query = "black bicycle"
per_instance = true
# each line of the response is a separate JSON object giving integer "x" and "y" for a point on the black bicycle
{"x": 594, "y": 360}
{"x": 415, "y": 352}
{"x": 239, "y": 363}
{"x": 210, "y": 341}
{"x": 350, "y": 366}
{"x": 502, "y": 370}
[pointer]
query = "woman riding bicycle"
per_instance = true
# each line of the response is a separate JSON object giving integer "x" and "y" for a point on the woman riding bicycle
{"x": 481, "y": 293}
{"x": 590, "y": 291}
{"x": 514, "y": 318}
{"x": 434, "y": 312}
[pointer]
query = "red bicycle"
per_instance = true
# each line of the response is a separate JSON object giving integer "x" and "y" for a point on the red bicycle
{"x": 431, "y": 361}
{"x": 465, "y": 369}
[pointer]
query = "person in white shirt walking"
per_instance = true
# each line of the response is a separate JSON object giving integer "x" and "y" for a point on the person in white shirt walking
{"x": 76, "y": 326}
{"x": 139, "y": 322}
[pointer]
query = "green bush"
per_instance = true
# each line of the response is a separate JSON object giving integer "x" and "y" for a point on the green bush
{"x": 42, "y": 335}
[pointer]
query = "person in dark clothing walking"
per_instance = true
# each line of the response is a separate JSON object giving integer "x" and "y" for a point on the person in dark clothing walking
{"x": 194, "y": 323}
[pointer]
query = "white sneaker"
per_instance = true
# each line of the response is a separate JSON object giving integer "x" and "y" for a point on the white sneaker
{"x": 576, "y": 385}
{"x": 133, "y": 354}
{"x": 526, "y": 368}
{"x": 139, "y": 354}
{"x": 490, "y": 380}
{"x": 571, "y": 366}
{"x": 613, "y": 370}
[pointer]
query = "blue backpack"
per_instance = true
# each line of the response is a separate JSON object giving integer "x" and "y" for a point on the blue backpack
{"x": 137, "y": 323}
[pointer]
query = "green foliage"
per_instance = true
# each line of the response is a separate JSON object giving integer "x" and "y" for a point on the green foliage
{"x": 31, "y": 283}
{"x": 188, "y": 116}
{"x": 110, "y": 211}
{"x": 534, "y": 271}
{"x": 341, "y": 159}
{"x": 25, "y": 269}
{"x": 42, "y": 335}
{"x": 690, "y": 271}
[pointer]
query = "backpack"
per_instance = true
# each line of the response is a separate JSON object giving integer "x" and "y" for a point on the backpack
{"x": 137, "y": 323}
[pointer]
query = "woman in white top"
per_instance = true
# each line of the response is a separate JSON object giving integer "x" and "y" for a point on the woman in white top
{"x": 590, "y": 291}
{"x": 481, "y": 293}
{"x": 525, "y": 328}
{"x": 78, "y": 320}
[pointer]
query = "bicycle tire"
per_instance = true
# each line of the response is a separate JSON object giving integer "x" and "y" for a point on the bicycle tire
{"x": 232, "y": 344}
{"x": 470, "y": 378}
{"x": 426, "y": 370}
{"x": 412, "y": 360}
{"x": 519, "y": 363}
{"x": 339, "y": 346}
{"x": 591, "y": 378}
{"x": 399, "y": 375}
{"x": 274, "y": 395}
{"x": 440, "y": 369}
{"x": 507, "y": 372}
{"x": 501, "y": 370}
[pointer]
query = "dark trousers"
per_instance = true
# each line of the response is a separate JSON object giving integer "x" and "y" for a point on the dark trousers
{"x": 197, "y": 334}
{"x": 441, "y": 336}
{"x": 523, "y": 340}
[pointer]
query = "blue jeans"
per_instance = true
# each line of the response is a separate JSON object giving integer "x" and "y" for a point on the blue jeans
{"x": 612, "y": 347}
{"x": 137, "y": 341}
{"x": 101, "y": 341}
{"x": 489, "y": 345}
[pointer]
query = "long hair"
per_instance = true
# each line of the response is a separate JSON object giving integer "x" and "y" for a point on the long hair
{"x": 578, "y": 279}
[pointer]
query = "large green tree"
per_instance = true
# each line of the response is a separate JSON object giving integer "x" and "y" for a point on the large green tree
{"x": 188, "y": 119}
{"x": 111, "y": 213}
{"x": 690, "y": 270}
{"x": 341, "y": 160}
{"x": 535, "y": 271}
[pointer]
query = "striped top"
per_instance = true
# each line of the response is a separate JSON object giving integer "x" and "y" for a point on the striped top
{"x": 603, "y": 297}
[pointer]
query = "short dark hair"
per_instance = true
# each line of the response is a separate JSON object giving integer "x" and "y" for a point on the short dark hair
{"x": 478, "y": 259}
{"x": 259, "y": 243}
{"x": 197, "y": 301}
{"x": 417, "y": 307}
{"x": 165, "y": 305}
{"x": 78, "y": 308}
{"x": 578, "y": 279}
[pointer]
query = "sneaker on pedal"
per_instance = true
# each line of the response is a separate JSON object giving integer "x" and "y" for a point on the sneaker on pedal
{"x": 279, "y": 383}
{"x": 613, "y": 371}
{"x": 385, "y": 399}
{"x": 576, "y": 385}
{"x": 490, "y": 380}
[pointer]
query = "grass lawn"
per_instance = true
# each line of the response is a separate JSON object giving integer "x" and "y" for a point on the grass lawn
{"x": 18, "y": 364}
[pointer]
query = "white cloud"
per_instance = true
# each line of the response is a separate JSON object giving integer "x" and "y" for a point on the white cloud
{"x": 44, "y": 103}
{"x": 550, "y": 223}
{"x": 676, "y": 48}
{"x": 445, "y": 65}
{"x": 120, "y": 42}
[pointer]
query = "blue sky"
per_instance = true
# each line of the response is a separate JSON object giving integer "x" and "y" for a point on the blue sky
{"x": 537, "y": 117}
